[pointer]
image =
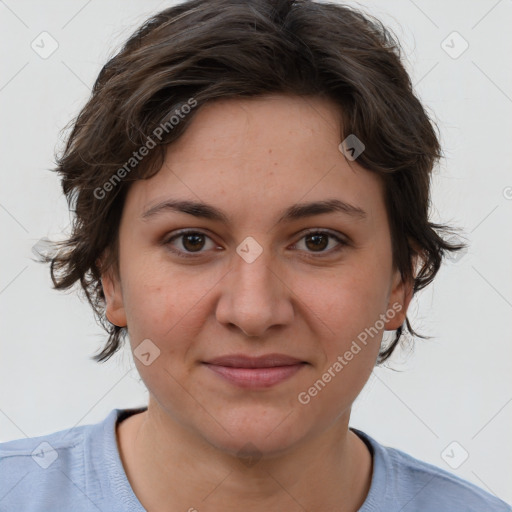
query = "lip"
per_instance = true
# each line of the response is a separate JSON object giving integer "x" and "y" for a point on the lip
{"x": 255, "y": 372}
{"x": 264, "y": 361}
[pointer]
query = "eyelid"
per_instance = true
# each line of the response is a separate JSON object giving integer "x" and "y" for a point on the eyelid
{"x": 342, "y": 240}
{"x": 335, "y": 234}
{"x": 182, "y": 232}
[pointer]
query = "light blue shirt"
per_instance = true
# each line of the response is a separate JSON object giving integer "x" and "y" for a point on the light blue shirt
{"x": 79, "y": 469}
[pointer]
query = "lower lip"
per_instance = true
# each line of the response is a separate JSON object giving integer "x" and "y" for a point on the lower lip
{"x": 255, "y": 377}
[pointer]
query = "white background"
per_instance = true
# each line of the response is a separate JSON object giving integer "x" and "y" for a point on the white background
{"x": 456, "y": 386}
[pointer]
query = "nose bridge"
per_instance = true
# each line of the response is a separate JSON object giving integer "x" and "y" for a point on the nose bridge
{"x": 254, "y": 278}
{"x": 254, "y": 285}
{"x": 254, "y": 298}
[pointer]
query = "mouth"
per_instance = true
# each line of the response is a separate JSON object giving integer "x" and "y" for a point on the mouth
{"x": 255, "y": 372}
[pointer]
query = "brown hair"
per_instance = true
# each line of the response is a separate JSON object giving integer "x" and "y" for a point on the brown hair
{"x": 201, "y": 50}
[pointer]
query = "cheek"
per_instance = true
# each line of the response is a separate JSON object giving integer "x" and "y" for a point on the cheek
{"x": 351, "y": 309}
{"x": 147, "y": 293}
{"x": 163, "y": 304}
{"x": 351, "y": 305}
{"x": 352, "y": 300}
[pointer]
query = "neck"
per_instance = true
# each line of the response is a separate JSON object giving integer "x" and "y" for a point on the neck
{"x": 166, "y": 463}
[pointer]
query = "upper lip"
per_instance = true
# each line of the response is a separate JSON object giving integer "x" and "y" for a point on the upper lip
{"x": 265, "y": 361}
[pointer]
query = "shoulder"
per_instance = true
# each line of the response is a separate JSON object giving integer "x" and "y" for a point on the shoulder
{"x": 416, "y": 485}
{"x": 49, "y": 471}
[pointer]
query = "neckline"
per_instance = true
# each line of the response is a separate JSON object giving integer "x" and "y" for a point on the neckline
{"x": 371, "y": 503}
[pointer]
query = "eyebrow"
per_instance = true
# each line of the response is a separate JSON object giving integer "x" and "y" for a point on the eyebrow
{"x": 294, "y": 212}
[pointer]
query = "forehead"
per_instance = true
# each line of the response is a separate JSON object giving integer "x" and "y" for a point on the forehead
{"x": 260, "y": 155}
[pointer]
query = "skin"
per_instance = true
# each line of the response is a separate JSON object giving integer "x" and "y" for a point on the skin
{"x": 252, "y": 158}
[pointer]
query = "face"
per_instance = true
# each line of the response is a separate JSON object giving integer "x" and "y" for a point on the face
{"x": 253, "y": 281}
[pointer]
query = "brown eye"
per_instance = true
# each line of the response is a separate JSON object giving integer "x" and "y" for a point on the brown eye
{"x": 189, "y": 244}
{"x": 318, "y": 241}
{"x": 193, "y": 242}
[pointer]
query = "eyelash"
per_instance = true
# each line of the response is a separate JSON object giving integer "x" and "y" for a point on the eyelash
{"x": 182, "y": 254}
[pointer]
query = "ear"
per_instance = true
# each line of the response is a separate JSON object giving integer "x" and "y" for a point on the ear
{"x": 114, "y": 309}
{"x": 399, "y": 299}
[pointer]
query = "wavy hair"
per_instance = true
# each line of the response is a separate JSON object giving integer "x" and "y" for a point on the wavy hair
{"x": 211, "y": 49}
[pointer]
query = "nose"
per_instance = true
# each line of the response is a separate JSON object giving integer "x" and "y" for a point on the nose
{"x": 255, "y": 296}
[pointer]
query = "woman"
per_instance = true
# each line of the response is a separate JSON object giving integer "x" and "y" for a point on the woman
{"x": 251, "y": 187}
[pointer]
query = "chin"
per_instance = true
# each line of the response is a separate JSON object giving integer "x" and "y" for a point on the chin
{"x": 256, "y": 433}
{"x": 253, "y": 445}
